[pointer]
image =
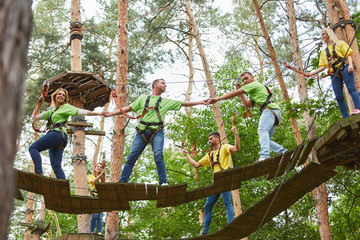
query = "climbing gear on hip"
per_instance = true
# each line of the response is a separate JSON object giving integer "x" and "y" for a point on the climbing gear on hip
{"x": 265, "y": 106}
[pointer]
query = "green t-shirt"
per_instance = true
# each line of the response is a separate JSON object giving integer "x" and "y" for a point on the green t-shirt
{"x": 258, "y": 93}
{"x": 61, "y": 115}
{"x": 151, "y": 116}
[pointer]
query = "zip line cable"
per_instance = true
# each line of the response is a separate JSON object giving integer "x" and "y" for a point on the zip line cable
{"x": 307, "y": 132}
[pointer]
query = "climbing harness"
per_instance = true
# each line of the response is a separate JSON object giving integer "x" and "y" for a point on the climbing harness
{"x": 160, "y": 123}
{"x": 333, "y": 65}
{"x": 44, "y": 93}
{"x": 212, "y": 162}
{"x": 265, "y": 105}
{"x": 52, "y": 126}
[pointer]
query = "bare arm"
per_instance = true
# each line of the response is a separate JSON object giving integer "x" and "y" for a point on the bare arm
{"x": 236, "y": 147}
{"x": 191, "y": 161}
{"x": 230, "y": 94}
{"x": 117, "y": 112}
{"x": 96, "y": 179}
{"x": 320, "y": 69}
{"x": 193, "y": 103}
{"x": 351, "y": 66}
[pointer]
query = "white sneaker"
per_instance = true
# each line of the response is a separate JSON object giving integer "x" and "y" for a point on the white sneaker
{"x": 164, "y": 184}
{"x": 262, "y": 158}
{"x": 356, "y": 111}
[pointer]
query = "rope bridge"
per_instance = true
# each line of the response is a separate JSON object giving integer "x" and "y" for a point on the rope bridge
{"x": 339, "y": 145}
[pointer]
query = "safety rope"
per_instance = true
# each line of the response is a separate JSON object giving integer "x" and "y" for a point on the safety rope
{"x": 44, "y": 93}
{"x": 313, "y": 76}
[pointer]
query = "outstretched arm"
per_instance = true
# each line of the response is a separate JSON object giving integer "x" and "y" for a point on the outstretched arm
{"x": 191, "y": 161}
{"x": 320, "y": 69}
{"x": 236, "y": 147}
{"x": 193, "y": 103}
{"x": 117, "y": 112}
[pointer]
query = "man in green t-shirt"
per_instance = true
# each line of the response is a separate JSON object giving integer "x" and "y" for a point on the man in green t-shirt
{"x": 270, "y": 112}
{"x": 150, "y": 127}
{"x": 218, "y": 159}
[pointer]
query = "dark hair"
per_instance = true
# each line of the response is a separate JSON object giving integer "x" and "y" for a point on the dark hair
{"x": 217, "y": 134}
{"x": 246, "y": 73}
{"x": 155, "y": 81}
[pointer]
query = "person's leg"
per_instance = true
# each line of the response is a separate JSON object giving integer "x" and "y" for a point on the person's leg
{"x": 137, "y": 147}
{"x": 337, "y": 86}
{"x": 49, "y": 140}
{"x": 100, "y": 223}
{"x": 210, "y": 202}
{"x": 275, "y": 147}
{"x": 266, "y": 123}
{"x": 350, "y": 85}
{"x": 93, "y": 222}
{"x": 56, "y": 155}
{"x": 229, "y": 206}
{"x": 157, "y": 144}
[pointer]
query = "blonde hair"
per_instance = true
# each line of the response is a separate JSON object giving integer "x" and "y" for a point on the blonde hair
{"x": 103, "y": 177}
{"x": 332, "y": 37}
{"x": 53, "y": 96}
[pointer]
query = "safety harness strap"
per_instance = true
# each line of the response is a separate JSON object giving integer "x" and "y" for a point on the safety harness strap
{"x": 338, "y": 60}
{"x": 212, "y": 162}
{"x": 147, "y": 124}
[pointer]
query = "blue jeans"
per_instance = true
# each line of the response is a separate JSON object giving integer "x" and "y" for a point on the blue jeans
{"x": 96, "y": 218}
{"x": 266, "y": 130}
{"x": 52, "y": 141}
{"x": 337, "y": 84}
{"x": 210, "y": 202}
{"x": 138, "y": 146}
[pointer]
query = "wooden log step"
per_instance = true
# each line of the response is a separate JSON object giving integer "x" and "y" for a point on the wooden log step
{"x": 307, "y": 150}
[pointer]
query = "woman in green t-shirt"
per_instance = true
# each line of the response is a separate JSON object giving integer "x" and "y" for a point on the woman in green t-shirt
{"x": 56, "y": 138}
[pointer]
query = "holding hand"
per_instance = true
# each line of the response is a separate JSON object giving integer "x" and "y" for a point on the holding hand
{"x": 185, "y": 152}
{"x": 350, "y": 69}
{"x": 234, "y": 130}
{"x": 106, "y": 114}
{"x": 237, "y": 85}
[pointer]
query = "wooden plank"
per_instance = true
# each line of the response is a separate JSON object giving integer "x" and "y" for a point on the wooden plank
{"x": 80, "y": 124}
{"x": 329, "y": 135}
{"x": 305, "y": 153}
{"x": 296, "y": 156}
{"x": 171, "y": 195}
{"x": 284, "y": 163}
{"x": 199, "y": 193}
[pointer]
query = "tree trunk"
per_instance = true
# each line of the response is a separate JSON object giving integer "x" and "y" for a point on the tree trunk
{"x": 100, "y": 138}
{"x": 15, "y": 29}
{"x": 338, "y": 10}
{"x": 320, "y": 193}
{"x": 112, "y": 225}
{"x": 79, "y": 157}
{"x": 217, "y": 112}
{"x": 277, "y": 69}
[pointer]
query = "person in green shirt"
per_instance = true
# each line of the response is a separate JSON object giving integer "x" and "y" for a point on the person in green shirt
{"x": 56, "y": 138}
{"x": 150, "y": 127}
{"x": 270, "y": 112}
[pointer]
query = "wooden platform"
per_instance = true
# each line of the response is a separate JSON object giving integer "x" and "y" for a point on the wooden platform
{"x": 94, "y": 90}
